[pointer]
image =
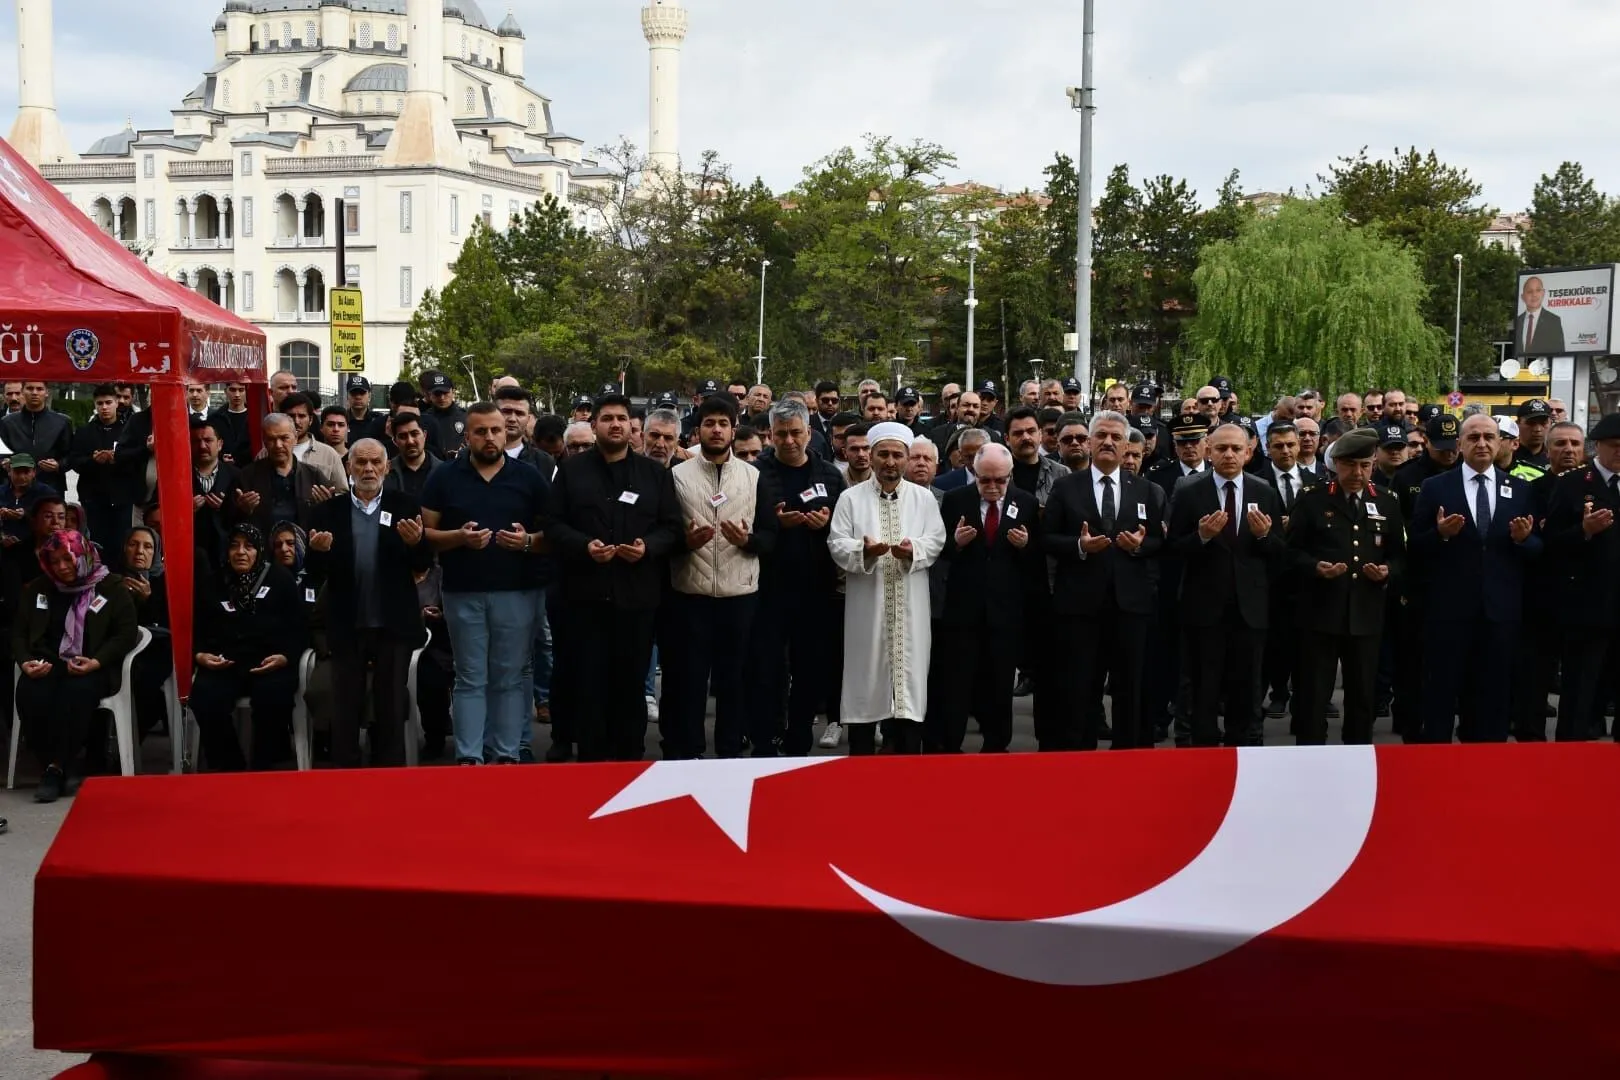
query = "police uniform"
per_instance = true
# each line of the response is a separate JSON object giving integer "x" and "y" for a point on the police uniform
{"x": 1409, "y": 596}
{"x": 989, "y": 421}
{"x": 1534, "y": 409}
{"x": 1344, "y": 615}
{"x": 1167, "y": 694}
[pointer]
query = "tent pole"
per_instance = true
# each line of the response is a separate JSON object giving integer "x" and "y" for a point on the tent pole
{"x": 171, "y": 426}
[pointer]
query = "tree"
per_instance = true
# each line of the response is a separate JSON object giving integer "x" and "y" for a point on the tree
{"x": 1572, "y": 223}
{"x": 1434, "y": 210}
{"x": 474, "y": 313}
{"x": 1307, "y": 298}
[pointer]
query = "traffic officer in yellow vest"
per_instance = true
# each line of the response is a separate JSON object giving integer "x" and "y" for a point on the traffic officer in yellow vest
{"x": 1347, "y": 541}
{"x": 730, "y": 522}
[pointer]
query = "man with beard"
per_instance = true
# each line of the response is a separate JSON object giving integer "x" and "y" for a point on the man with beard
{"x": 730, "y": 524}
{"x": 885, "y": 534}
{"x": 857, "y": 455}
{"x": 968, "y": 408}
{"x": 1032, "y": 470}
{"x": 660, "y": 435}
{"x": 1074, "y": 439}
{"x": 1101, "y": 530}
{"x": 616, "y": 521}
{"x": 412, "y": 465}
{"x": 483, "y": 513}
{"x": 797, "y": 652}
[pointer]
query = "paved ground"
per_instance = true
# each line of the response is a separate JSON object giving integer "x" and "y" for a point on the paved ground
{"x": 33, "y": 826}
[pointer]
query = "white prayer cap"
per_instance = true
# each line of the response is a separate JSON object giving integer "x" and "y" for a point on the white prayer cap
{"x": 890, "y": 430}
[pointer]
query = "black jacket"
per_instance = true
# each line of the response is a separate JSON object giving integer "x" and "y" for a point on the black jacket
{"x": 109, "y": 634}
{"x": 1223, "y": 570}
{"x": 587, "y": 504}
{"x": 209, "y": 525}
{"x": 232, "y": 429}
{"x": 989, "y": 583}
{"x": 1587, "y": 571}
{"x": 448, "y": 428}
{"x": 397, "y": 565}
{"x": 109, "y": 482}
{"x": 257, "y": 477}
{"x": 44, "y": 434}
{"x": 1322, "y": 528}
{"x": 802, "y": 564}
{"x": 1083, "y": 586}
{"x": 279, "y": 623}
{"x": 374, "y": 425}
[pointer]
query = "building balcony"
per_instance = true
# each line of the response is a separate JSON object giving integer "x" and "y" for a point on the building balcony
{"x": 334, "y": 164}
{"x": 89, "y": 170}
{"x": 205, "y": 169}
{"x": 510, "y": 177}
{"x": 204, "y": 243}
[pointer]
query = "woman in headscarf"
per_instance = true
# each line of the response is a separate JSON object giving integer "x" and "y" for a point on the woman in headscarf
{"x": 251, "y": 632}
{"x": 74, "y": 626}
{"x": 143, "y": 578}
{"x": 289, "y": 547}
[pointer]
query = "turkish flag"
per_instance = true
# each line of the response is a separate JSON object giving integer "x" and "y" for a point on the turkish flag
{"x": 484, "y": 919}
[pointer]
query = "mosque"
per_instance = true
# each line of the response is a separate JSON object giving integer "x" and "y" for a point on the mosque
{"x": 414, "y": 114}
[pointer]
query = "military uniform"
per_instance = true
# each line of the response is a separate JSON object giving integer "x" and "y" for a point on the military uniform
{"x": 1344, "y": 616}
{"x": 1407, "y": 600}
{"x": 1587, "y": 592}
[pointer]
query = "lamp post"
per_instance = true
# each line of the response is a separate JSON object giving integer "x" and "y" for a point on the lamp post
{"x": 972, "y": 299}
{"x": 759, "y": 358}
{"x": 1080, "y": 98}
{"x": 1035, "y": 366}
{"x": 1456, "y": 340}
{"x": 897, "y": 369}
{"x": 472, "y": 373}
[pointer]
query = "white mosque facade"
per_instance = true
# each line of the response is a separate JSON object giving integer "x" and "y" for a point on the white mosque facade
{"x": 415, "y": 114}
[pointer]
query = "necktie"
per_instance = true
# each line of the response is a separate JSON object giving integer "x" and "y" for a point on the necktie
{"x": 1288, "y": 491}
{"x": 1482, "y": 506}
{"x": 1110, "y": 510}
{"x": 992, "y": 522}
{"x": 1529, "y": 330}
{"x": 1614, "y": 487}
{"x": 1231, "y": 510}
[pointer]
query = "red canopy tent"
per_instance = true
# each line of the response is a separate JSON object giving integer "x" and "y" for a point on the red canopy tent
{"x": 77, "y": 306}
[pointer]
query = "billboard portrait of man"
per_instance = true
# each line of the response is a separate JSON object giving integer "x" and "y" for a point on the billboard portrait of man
{"x": 1538, "y": 332}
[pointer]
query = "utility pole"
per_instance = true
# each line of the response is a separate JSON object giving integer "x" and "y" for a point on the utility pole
{"x": 1006, "y": 366}
{"x": 1081, "y": 98}
{"x": 972, "y": 300}
{"x": 759, "y": 357}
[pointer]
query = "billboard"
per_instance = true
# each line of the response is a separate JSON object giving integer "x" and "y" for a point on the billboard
{"x": 1564, "y": 312}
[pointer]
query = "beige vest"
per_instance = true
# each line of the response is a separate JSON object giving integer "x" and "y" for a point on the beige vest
{"x": 719, "y": 568}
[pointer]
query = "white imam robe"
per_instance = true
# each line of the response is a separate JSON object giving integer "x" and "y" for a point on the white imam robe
{"x": 887, "y": 632}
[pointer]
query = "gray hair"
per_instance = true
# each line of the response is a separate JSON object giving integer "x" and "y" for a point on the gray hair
{"x": 928, "y": 446}
{"x": 992, "y": 452}
{"x": 1135, "y": 437}
{"x": 788, "y": 410}
{"x": 974, "y": 435}
{"x": 1027, "y": 383}
{"x": 1050, "y": 383}
{"x": 1111, "y": 417}
{"x": 367, "y": 444}
{"x": 278, "y": 419}
{"x": 658, "y": 416}
{"x": 578, "y": 426}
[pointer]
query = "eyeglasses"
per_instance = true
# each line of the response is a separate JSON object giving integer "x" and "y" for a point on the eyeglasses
{"x": 1073, "y": 440}
{"x": 1209, "y": 401}
{"x": 992, "y": 481}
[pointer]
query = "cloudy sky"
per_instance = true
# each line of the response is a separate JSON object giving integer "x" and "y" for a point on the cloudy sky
{"x": 1274, "y": 88}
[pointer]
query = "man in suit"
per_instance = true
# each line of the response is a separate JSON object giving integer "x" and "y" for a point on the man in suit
{"x": 1584, "y": 546}
{"x": 1281, "y": 657}
{"x": 366, "y": 551}
{"x": 213, "y": 489}
{"x": 1472, "y": 531}
{"x": 1537, "y": 332}
{"x": 1222, "y": 529}
{"x": 992, "y": 532}
{"x": 1348, "y": 544}
{"x": 1101, "y": 530}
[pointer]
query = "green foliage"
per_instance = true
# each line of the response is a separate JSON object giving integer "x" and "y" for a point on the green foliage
{"x": 1305, "y": 297}
{"x": 1572, "y": 223}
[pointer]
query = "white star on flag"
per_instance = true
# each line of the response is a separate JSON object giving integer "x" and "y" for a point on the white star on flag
{"x": 723, "y": 789}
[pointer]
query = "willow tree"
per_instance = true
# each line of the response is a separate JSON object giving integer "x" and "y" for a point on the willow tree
{"x": 1304, "y": 298}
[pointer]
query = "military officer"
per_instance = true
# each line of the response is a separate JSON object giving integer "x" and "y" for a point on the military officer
{"x": 1439, "y": 456}
{"x": 1347, "y": 541}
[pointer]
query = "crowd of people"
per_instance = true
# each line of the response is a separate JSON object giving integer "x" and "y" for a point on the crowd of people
{"x": 1145, "y": 574}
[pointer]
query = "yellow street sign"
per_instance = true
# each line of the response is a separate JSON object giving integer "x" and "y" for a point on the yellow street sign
{"x": 348, "y": 330}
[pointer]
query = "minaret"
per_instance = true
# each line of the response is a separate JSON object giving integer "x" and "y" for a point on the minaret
{"x": 664, "y": 24}
{"x": 37, "y": 134}
{"x": 424, "y": 135}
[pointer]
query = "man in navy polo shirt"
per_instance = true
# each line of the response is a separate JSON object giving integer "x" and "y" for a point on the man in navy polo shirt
{"x": 483, "y": 513}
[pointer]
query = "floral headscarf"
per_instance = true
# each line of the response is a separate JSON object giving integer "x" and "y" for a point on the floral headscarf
{"x": 87, "y": 574}
{"x": 244, "y": 588}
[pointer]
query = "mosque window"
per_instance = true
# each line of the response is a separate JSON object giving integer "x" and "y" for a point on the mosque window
{"x": 365, "y": 35}
{"x": 227, "y": 92}
{"x": 469, "y": 107}
{"x": 534, "y": 114}
{"x": 393, "y": 37}
{"x": 286, "y": 35}
{"x": 320, "y": 88}
{"x": 309, "y": 35}
{"x": 404, "y": 211}
{"x": 284, "y": 82}
{"x": 407, "y": 294}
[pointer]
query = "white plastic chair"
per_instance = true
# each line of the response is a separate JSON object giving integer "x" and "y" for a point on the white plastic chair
{"x": 413, "y": 715}
{"x": 121, "y": 705}
{"x": 244, "y": 706}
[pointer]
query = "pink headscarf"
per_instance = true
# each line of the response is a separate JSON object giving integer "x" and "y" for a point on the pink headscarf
{"x": 88, "y": 573}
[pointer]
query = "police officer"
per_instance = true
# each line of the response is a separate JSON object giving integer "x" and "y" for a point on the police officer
{"x": 989, "y": 417}
{"x": 447, "y": 419}
{"x": 707, "y": 388}
{"x": 1535, "y": 418}
{"x": 1391, "y": 452}
{"x": 1071, "y": 395}
{"x": 1347, "y": 542}
{"x": 364, "y": 421}
{"x": 1439, "y": 456}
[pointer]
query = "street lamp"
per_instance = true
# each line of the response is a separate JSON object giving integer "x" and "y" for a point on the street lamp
{"x": 972, "y": 299}
{"x": 897, "y": 368}
{"x": 1080, "y": 98}
{"x": 759, "y": 358}
{"x": 1035, "y": 367}
{"x": 1456, "y": 341}
{"x": 466, "y": 364}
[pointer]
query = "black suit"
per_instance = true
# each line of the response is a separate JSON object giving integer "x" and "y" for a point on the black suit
{"x": 982, "y": 626}
{"x": 208, "y": 525}
{"x": 1281, "y": 659}
{"x": 1548, "y": 337}
{"x": 1481, "y": 580}
{"x": 1226, "y": 601}
{"x": 1342, "y": 619}
{"x": 386, "y": 647}
{"x": 1105, "y": 602}
{"x": 1587, "y": 598}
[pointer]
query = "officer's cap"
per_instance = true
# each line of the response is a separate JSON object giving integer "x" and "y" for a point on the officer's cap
{"x": 1606, "y": 429}
{"x": 1358, "y": 445}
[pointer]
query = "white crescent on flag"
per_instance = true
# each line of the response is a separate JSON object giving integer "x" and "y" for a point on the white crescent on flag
{"x": 1297, "y": 821}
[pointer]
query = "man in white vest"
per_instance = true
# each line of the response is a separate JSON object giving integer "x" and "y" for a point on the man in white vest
{"x": 730, "y": 522}
{"x": 885, "y": 534}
